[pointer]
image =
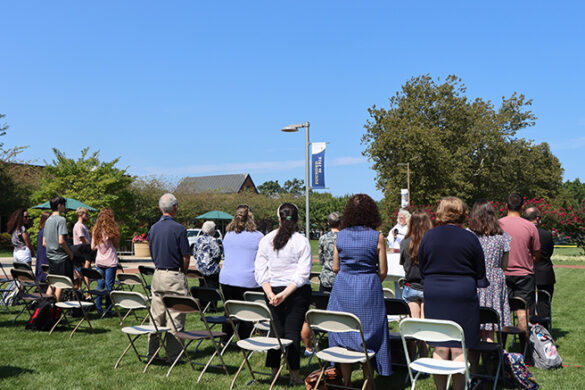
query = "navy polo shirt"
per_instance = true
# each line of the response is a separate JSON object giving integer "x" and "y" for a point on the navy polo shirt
{"x": 168, "y": 243}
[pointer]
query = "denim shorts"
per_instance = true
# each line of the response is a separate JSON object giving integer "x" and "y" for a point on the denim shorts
{"x": 409, "y": 294}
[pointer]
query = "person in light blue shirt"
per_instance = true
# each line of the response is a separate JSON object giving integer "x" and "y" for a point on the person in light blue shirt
{"x": 240, "y": 245}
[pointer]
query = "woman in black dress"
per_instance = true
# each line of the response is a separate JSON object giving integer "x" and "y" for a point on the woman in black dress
{"x": 452, "y": 268}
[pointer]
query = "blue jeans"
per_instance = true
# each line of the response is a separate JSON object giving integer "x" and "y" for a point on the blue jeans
{"x": 409, "y": 294}
{"x": 108, "y": 281}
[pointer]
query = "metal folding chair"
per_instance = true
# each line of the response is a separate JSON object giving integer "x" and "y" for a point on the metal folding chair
{"x": 188, "y": 305}
{"x": 29, "y": 291}
{"x": 336, "y": 321}
{"x": 209, "y": 295}
{"x": 131, "y": 300}
{"x": 93, "y": 275}
{"x": 144, "y": 272}
{"x": 517, "y": 303}
{"x": 487, "y": 315}
{"x": 65, "y": 283}
{"x": 256, "y": 312}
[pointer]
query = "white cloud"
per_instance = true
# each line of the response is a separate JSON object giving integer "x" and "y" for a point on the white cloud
{"x": 248, "y": 167}
{"x": 575, "y": 143}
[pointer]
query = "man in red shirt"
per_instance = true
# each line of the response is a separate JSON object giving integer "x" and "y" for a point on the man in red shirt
{"x": 524, "y": 251}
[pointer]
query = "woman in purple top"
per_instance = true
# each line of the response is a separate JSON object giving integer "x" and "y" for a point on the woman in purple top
{"x": 240, "y": 245}
{"x": 41, "y": 250}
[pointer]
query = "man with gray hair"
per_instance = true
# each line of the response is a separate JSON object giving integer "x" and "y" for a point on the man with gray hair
{"x": 169, "y": 249}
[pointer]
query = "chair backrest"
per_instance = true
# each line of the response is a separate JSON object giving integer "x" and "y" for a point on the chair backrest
{"x": 333, "y": 321}
{"x": 24, "y": 266}
{"x": 432, "y": 330}
{"x": 247, "y": 311}
{"x": 254, "y": 296}
{"x": 206, "y": 293}
{"x": 60, "y": 281}
{"x": 517, "y": 303}
{"x": 145, "y": 270}
{"x": 388, "y": 293}
{"x": 129, "y": 300}
{"x": 487, "y": 315}
{"x": 91, "y": 274}
{"x": 181, "y": 303}
{"x": 23, "y": 275}
{"x": 543, "y": 300}
{"x": 45, "y": 268}
{"x": 320, "y": 299}
{"x": 315, "y": 278}
{"x": 396, "y": 307}
{"x": 194, "y": 274}
{"x": 130, "y": 279}
{"x": 4, "y": 271}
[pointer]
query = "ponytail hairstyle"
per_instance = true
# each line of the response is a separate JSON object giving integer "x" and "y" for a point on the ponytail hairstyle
{"x": 243, "y": 220}
{"x": 418, "y": 225}
{"x": 289, "y": 216}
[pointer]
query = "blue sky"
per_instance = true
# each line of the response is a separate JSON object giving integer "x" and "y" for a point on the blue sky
{"x": 188, "y": 88}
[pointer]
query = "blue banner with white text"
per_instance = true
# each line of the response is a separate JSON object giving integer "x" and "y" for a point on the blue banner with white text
{"x": 318, "y": 164}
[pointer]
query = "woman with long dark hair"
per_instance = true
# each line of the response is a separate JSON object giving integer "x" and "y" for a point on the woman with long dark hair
{"x": 496, "y": 245}
{"x": 41, "y": 250}
{"x": 282, "y": 267}
{"x": 240, "y": 246}
{"x": 17, "y": 224}
{"x": 105, "y": 239}
{"x": 359, "y": 259}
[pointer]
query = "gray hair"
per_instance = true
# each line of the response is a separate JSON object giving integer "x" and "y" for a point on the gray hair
{"x": 334, "y": 219}
{"x": 405, "y": 213}
{"x": 167, "y": 202}
{"x": 208, "y": 227}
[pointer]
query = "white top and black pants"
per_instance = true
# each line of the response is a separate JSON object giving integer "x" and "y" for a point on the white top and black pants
{"x": 290, "y": 264}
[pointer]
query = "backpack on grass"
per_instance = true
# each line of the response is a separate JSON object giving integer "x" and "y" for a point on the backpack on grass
{"x": 544, "y": 350}
{"x": 517, "y": 374}
{"x": 44, "y": 316}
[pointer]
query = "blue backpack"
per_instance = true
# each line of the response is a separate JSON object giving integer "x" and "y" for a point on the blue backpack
{"x": 517, "y": 374}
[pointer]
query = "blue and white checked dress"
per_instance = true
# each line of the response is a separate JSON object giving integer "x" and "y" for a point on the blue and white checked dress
{"x": 357, "y": 289}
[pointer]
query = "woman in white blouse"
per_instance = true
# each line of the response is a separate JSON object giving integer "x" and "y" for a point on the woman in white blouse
{"x": 282, "y": 267}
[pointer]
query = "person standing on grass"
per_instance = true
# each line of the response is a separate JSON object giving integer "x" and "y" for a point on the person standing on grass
{"x": 524, "y": 252}
{"x": 207, "y": 253}
{"x": 23, "y": 249}
{"x": 105, "y": 239}
{"x": 55, "y": 234}
{"x": 544, "y": 274}
{"x": 81, "y": 236}
{"x": 170, "y": 253}
{"x": 41, "y": 250}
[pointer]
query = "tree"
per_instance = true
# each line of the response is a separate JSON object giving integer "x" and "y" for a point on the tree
{"x": 96, "y": 183}
{"x": 270, "y": 188}
{"x": 456, "y": 146}
{"x": 294, "y": 187}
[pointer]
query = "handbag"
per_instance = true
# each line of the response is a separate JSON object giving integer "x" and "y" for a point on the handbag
{"x": 332, "y": 375}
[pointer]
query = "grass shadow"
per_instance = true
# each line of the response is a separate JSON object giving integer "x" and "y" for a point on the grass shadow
{"x": 11, "y": 371}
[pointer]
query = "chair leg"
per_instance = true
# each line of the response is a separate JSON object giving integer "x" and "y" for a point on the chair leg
{"x": 177, "y": 360}
{"x": 58, "y": 322}
{"x": 320, "y": 376}
{"x": 151, "y": 359}
{"x": 277, "y": 374}
{"x": 131, "y": 344}
{"x": 80, "y": 322}
{"x": 240, "y": 369}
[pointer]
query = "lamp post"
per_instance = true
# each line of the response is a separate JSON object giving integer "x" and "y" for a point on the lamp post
{"x": 294, "y": 129}
{"x": 407, "y": 165}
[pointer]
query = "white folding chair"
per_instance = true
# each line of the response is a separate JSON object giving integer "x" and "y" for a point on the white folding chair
{"x": 337, "y": 321}
{"x": 256, "y": 312}
{"x": 65, "y": 283}
{"x": 131, "y": 300}
{"x": 258, "y": 297}
{"x": 388, "y": 293}
{"x": 434, "y": 331}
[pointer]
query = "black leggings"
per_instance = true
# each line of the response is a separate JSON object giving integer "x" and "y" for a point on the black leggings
{"x": 237, "y": 293}
{"x": 288, "y": 321}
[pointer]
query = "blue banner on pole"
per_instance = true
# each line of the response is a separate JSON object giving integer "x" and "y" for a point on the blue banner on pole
{"x": 318, "y": 163}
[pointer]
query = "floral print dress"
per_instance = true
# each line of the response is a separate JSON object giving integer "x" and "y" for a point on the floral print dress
{"x": 496, "y": 294}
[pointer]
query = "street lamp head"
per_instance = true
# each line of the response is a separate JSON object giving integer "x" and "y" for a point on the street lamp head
{"x": 295, "y": 128}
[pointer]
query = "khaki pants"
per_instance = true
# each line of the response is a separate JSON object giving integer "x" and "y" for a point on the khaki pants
{"x": 166, "y": 283}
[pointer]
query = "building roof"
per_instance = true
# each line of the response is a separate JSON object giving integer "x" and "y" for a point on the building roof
{"x": 221, "y": 184}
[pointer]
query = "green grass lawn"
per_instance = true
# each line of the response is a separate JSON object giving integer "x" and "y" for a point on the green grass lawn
{"x": 34, "y": 359}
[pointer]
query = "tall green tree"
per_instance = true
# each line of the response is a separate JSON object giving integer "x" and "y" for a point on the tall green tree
{"x": 99, "y": 184}
{"x": 456, "y": 146}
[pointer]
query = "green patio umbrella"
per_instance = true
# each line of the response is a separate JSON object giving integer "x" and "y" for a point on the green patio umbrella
{"x": 70, "y": 204}
{"x": 215, "y": 214}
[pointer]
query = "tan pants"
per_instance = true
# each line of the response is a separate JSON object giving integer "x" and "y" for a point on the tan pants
{"x": 166, "y": 283}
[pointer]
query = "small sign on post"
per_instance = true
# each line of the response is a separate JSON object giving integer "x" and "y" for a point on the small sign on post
{"x": 403, "y": 198}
